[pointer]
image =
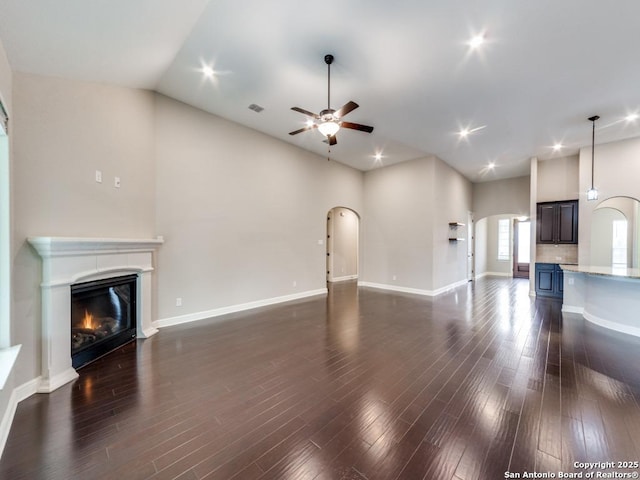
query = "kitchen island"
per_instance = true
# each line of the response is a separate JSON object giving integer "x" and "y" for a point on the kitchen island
{"x": 606, "y": 296}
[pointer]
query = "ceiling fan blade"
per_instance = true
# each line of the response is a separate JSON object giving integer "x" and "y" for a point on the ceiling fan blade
{"x": 357, "y": 126}
{"x": 331, "y": 140}
{"x": 348, "y": 107}
{"x": 304, "y": 129}
{"x": 305, "y": 112}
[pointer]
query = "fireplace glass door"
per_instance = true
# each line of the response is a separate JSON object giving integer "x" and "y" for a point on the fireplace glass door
{"x": 103, "y": 317}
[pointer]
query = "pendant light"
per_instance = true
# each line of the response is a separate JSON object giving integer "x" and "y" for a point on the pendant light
{"x": 592, "y": 193}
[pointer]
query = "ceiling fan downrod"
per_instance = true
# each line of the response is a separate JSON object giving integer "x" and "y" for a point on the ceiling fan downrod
{"x": 328, "y": 59}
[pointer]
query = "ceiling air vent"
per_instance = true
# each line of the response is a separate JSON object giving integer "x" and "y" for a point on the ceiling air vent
{"x": 256, "y": 108}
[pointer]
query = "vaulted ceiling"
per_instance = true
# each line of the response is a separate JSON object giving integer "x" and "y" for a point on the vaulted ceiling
{"x": 545, "y": 66}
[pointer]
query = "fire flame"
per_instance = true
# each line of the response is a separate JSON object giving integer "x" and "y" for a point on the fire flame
{"x": 87, "y": 321}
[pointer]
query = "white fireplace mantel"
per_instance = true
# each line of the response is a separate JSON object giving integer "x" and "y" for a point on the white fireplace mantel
{"x": 69, "y": 260}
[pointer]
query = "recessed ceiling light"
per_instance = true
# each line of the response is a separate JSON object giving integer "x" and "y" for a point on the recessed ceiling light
{"x": 208, "y": 71}
{"x": 557, "y": 147}
{"x": 378, "y": 156}
{"x": 491, "y": 165}
{"x": 465, "y": 132}
{"x": 476, "y": 41}
{"x": 632, "y": 117}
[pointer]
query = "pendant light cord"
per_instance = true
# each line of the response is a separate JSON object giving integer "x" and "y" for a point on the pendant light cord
{"x": 593, "y": 143}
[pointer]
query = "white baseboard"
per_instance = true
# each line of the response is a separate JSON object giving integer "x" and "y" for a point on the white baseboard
{"x": 415, "y": 291}
{"x": 17, "y": 395}
{"x": 572, "y": 309}
{"x": 216, "y": 312}
{"x": 55, "y": 382}
{"x": 628, "y": 329}
{"x": 494, "y": 274}
{"x": 344, "y": 279}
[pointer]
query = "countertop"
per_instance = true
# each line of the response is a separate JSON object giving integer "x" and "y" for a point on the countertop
{"x": 622, "y": 272}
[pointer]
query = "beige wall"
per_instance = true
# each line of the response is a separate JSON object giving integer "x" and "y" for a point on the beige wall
{"x": 62, "y": 132}
{"x": 502, "y": 267}
{"x": 397, "y": 225}
{"x": 616, "y": 174}
{"x": 499, "y": 197}
{"x": 343, "y": 233}
{"x": 558, "y": 179}
{"x": 507, "y": 198}
{"x": 481, "y": 248}
{"x": 5, "y": 79}
{"x": 241, "y": 213}
{"x": 451, "y": 200}
{"x": 408, "y": 208}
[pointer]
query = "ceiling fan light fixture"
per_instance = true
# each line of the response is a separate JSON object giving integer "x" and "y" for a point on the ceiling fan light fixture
{"x": 329, "y": 121}
{"x": 329, "y": 128}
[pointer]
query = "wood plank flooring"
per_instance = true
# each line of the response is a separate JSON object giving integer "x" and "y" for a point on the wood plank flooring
{"x": 363, "y": 384}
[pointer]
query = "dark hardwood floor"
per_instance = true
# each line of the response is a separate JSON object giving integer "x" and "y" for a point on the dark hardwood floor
{"x": 364, "y": 384}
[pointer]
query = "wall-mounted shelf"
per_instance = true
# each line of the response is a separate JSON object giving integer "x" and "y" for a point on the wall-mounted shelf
{"x": 453, "y": 232}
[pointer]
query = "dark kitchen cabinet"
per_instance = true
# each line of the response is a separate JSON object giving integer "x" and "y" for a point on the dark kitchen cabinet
{"x": 549, "y": 280}
{"x": 557, "y": 222}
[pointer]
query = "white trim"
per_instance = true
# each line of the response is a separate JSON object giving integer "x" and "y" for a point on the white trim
{"x": 414, "y": 291}
{"x": 98, "y": 274}
{"x": 68, "y": 260}
{"x": 17, "y": 395}
{"x": 216, "y": 312}
{"x": 48, "y": 385}
{"x": 495, "y": 274}
{"x": 8, "y": 357}
{"x": 572, "y": 309}
{"x": 5, "y": 242}
{"x": 346, "y": 278}
{"x": 628, "y": 329}
{"x": 75, "y": 246}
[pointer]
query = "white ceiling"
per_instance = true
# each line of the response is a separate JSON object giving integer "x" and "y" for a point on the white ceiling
{"x": 546, "y": 66}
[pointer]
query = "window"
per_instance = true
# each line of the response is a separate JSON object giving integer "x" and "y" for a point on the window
{"x": 5, "y": 242}
{"x": 619, "y": 244}
{"x": 8, "y": 354}
{"x": 504, "y": 239}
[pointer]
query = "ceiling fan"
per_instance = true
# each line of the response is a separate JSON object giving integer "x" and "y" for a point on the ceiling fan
{"x": 329, "y": 121}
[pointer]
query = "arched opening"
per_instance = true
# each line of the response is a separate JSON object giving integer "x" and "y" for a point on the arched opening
{"x": 503, "y": 246}
{"x": 615, "y": 233}
{"x": 343, "y": 238}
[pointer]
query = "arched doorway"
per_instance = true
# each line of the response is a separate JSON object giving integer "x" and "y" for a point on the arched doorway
{"x": 343, "y": 226}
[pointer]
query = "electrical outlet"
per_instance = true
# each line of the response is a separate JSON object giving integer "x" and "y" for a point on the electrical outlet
{"x": 116, "y": 182}
{"x": 295, "y": 283}
{"x": 179, "y": 302}
{"x": 98, "y": 176}
{"x": 394, "y": 278}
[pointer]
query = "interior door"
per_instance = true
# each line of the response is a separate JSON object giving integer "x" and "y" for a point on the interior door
{"x": 521, "y": 248}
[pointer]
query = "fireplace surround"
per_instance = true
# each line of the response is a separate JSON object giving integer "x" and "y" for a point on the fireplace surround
{"x": 67, "y": 261}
